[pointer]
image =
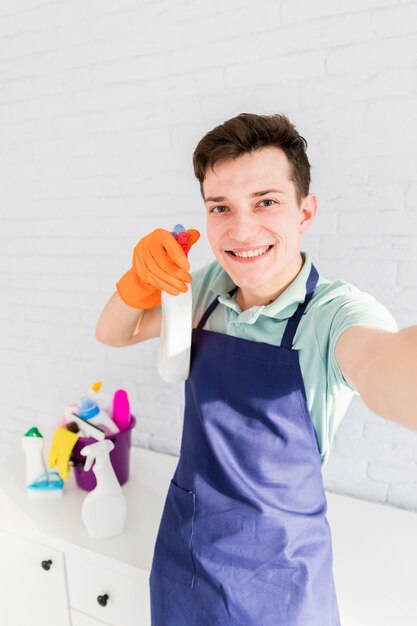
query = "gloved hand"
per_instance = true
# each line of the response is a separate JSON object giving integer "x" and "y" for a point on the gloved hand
{"x": 63, "y": 442}
{"x": 159, "y": 263}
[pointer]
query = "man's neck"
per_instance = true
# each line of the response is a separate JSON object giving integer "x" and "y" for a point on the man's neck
{"x": 247, "y": 298}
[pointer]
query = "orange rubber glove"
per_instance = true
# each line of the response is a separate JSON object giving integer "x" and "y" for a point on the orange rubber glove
{"x": 159, "y": 263}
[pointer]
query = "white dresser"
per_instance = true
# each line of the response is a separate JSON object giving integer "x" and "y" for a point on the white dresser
{"x": 52, "y": 573}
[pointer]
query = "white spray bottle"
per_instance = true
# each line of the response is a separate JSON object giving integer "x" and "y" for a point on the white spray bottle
{"x": 175, "y": 342}
{"x": 104, "y": 508}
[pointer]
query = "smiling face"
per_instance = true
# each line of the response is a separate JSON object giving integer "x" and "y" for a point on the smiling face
{"x": 254, "y": 223}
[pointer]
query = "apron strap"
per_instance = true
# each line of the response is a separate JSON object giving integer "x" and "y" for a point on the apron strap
{"x": 211, "y": 308}
{"x": 292, "y": 324}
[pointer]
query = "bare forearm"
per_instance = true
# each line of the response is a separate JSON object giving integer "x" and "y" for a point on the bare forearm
{"x": 119, "y": 324}
{"x": 388, "y": 382}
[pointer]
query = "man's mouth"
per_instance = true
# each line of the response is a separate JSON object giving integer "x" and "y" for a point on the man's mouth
{"x": 250, "y": 253}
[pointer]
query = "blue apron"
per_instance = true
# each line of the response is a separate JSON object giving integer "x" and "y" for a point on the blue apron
{"x": 243, "y": 538}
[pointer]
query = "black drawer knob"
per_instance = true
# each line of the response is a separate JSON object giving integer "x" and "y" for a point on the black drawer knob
{"x": 102, "y": 600}
{"x": 46, "y": 564}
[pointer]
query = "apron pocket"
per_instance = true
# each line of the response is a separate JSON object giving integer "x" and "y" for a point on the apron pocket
{"x": 172, "y": 556}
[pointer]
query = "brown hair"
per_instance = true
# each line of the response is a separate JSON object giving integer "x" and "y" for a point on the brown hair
{"x": 248, "y": 132}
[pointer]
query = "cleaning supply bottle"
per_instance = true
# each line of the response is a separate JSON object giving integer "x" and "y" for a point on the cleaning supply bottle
{"x": 175, "y": 341}
{"x": 39, "y": 482}
{"x": 104, "y": 508}
{"x": 121, "y": 409}
{"x": 32, "y": 444}
{"x": 104, "y": 400}
{"x": 89, "y": 410}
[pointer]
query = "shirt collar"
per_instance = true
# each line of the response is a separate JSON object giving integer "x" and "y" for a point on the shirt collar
{"x": 282, "y": 308}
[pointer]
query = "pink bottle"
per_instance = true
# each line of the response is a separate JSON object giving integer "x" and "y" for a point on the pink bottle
{"x": 121, "y": 409}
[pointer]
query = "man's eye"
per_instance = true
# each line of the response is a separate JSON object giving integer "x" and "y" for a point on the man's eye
{"x": 218, "y": 209}
{"x": 268, "y": 200}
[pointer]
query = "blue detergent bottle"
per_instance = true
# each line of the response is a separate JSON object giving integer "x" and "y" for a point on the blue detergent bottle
{"x": 89, "y": 410}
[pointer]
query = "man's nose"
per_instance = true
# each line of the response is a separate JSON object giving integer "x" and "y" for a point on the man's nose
{"x": 243, "y": 227}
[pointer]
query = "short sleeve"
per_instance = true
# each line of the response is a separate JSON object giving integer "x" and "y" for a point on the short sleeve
{"x": 355, "y": 309}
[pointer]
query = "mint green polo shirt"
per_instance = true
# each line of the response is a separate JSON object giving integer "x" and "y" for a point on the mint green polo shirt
{"x": 334, "y": 307}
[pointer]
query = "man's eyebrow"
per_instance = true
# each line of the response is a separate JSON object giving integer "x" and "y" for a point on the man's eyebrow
{"x": 255, "y": 194}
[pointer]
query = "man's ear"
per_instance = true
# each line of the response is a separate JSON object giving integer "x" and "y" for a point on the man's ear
{"x": 308, "y": 210}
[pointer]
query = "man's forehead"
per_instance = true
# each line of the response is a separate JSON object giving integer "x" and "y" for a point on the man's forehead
{"x": 251, "y": 173}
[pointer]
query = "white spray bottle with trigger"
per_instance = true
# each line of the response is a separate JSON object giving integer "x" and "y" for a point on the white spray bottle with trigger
{"x": 175, "y": 343}
{"x": 104, "y": 508}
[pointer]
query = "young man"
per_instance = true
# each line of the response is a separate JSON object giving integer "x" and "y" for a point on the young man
{"x": 278, "y": 352}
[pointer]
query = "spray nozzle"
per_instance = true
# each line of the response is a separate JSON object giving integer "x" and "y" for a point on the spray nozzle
{"x": 181, "y": 236}
{"x": 100, "y": 449}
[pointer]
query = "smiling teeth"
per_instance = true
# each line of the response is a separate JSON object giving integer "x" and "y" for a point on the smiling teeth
{"x": 257, "y": 252}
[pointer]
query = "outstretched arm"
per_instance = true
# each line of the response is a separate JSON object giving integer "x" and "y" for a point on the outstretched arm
{"x": 382, "y": 367}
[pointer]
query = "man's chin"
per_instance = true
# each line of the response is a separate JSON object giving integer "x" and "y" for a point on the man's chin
{"x": 245, "y": 282}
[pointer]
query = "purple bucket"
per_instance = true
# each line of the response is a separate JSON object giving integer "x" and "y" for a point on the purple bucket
{"x": 119, "y": 457}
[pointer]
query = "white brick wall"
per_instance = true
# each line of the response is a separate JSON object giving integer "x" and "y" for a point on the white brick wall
{"x": 101, "y": 105}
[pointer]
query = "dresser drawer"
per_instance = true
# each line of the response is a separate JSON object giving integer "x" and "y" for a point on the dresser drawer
{"x": 81, "y": 619}
{"x": 32, "y": 583}
{"x": 127, "y": 602}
